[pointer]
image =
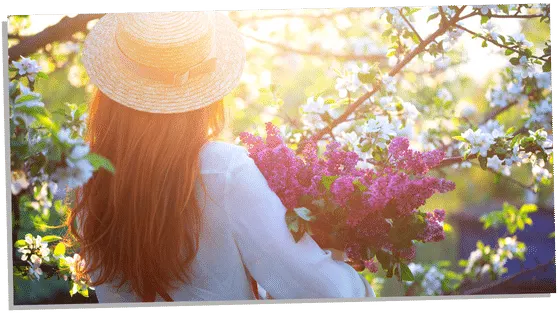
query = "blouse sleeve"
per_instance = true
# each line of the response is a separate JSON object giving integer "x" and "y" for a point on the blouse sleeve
{"x": 284, "y": 268}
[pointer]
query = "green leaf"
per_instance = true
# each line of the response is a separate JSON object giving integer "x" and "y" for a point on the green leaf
{"x": 327, "y": 181}
{"x": 510, "y": 130}
{"x": 48, "y": 123}
{"x": 514, "y": 140}
{"x": 528, "y": 208}
{"x": 406, "y": 274}
{"x": 59, "y": 250}
{"x": 483, "y": 162}
{"x": 509, "y": 52}
{"x": 26, "y": 98}
{"x": 74, "y": 289}
{"x": 367, "y": 77}
{"x": 34, "y": 111}
{"x": 484, "y": 19}
{"x": 359, "y": 185}
{"x": 547, "y": 65}
{"x": 292, "y": 222}
{"x": 514, "y": 61}
{"x": 42, "y": 75}
{"x": 84, "y": 292}
{"x": 433, "y": 16}
{"x": 460, "y": 138}
{"x": 20, "y": 243}
{"x": 304, "y": 213}
{"x": 51, "y": 238}
{"x": 97, "y": 161}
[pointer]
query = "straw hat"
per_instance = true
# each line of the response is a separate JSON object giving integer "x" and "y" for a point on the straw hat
{"x": 164, "y": 62}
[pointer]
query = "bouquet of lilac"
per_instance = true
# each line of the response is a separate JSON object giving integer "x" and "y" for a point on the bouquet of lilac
{"x": 370, "y": 214}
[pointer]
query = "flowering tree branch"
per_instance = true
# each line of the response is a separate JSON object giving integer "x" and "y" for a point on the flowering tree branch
{"x": 370, "y": 58}
{"x": 329, "y": 15}
{"x": 514, "y": 16}
{"x": 410, "y": 25}
{"x": 396, "y": 69}
{"x": 495, "y": 42}
{"x": 61, "y": 31}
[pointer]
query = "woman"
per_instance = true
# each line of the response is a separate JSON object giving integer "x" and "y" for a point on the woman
{"x": 183, "y": 218}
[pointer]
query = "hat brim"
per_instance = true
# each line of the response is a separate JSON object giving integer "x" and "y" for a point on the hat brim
{"x": 122, "y": 84}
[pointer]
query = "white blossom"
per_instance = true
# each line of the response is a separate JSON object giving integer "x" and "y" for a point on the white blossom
{"x": 19, "y": 182}
{"x": 467, "y": 110}
{"x": 75, "y": 174}
{"x": 444, "y": 94}
{"x": 494, "y": 128}
{"x": 315, "y": 105}
{"x": 494, "y": 163}
{"x": 524, "y": 69}
{"x": 543, "y": 80}
{"x": 479, "y": 141}
{"x": 347, "y": 83}
{"x": 520, "y": 38}
{"x": 390, "y": 83}
{"x": 27, "y": 67}
{"x": 442, "y": 62}
{"x": 432, "y": 281}
{"x": 540, "y": 172}
{"x": 491, "y": 29}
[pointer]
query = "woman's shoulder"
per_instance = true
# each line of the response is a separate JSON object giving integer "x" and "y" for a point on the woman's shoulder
{"x": 218, "y": 156}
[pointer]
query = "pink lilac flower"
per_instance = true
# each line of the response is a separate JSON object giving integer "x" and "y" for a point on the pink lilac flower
{"x": 371, "y": 265}
{"x": 434, "y": 226}
{"x": 365, "y": 204}
{"x": 342, "y": 189}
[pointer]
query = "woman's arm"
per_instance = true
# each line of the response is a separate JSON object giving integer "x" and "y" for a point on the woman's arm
{"x": 284, "y": 268}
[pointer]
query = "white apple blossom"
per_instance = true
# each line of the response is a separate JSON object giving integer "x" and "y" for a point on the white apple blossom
{"x": 315, "y": 105}
{"x": 494, "y": 163}
{"x": 479, "y": 141}
{"x": 75, "y": 174}
{"x": 491, "y": 29}
{"x": 390, "y": 83}
{"x": 494, "y": 128}
{"x": 432, "y": 281}
{"x": 539, "y": 171}
{"x": 520, "y": 39}
{"x": 27, "y": 67}
{"x": 543, "y": 80}
{"x": 444, "y": 94}
{"x": 486, "y": 9}
{"x": 442, "y": 62}
{"x": 467, "y": 110}
{"x": 19, "y": 182}
{"x": 524, "y": 69}
{"x": 348, "y": 83}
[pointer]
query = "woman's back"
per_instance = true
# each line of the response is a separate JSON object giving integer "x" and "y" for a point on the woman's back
{"x": 244, "y": 234}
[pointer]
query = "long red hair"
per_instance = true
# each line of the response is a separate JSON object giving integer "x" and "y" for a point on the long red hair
{"x": 141, "y": 224}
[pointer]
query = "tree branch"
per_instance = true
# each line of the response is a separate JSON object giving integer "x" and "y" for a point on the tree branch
{"x": 61, "y": 31}
{"x": 410, "y": 25}
{"x": 396, "y": 69}
{"x": 242, "y": 20}
{"x": 495, "y": 42}
{"x": 519, "y": 16}
{"x": 370, "y": 58}
{"x": 497, "y": 112}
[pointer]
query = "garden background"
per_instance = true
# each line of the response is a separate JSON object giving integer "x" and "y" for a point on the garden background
{"x": 334, "y": 56}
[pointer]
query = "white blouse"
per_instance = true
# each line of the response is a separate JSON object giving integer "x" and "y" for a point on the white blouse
{"x": 243, "y": 225}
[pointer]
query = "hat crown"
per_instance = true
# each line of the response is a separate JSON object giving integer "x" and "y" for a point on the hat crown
{"x": 174, "y": 41}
